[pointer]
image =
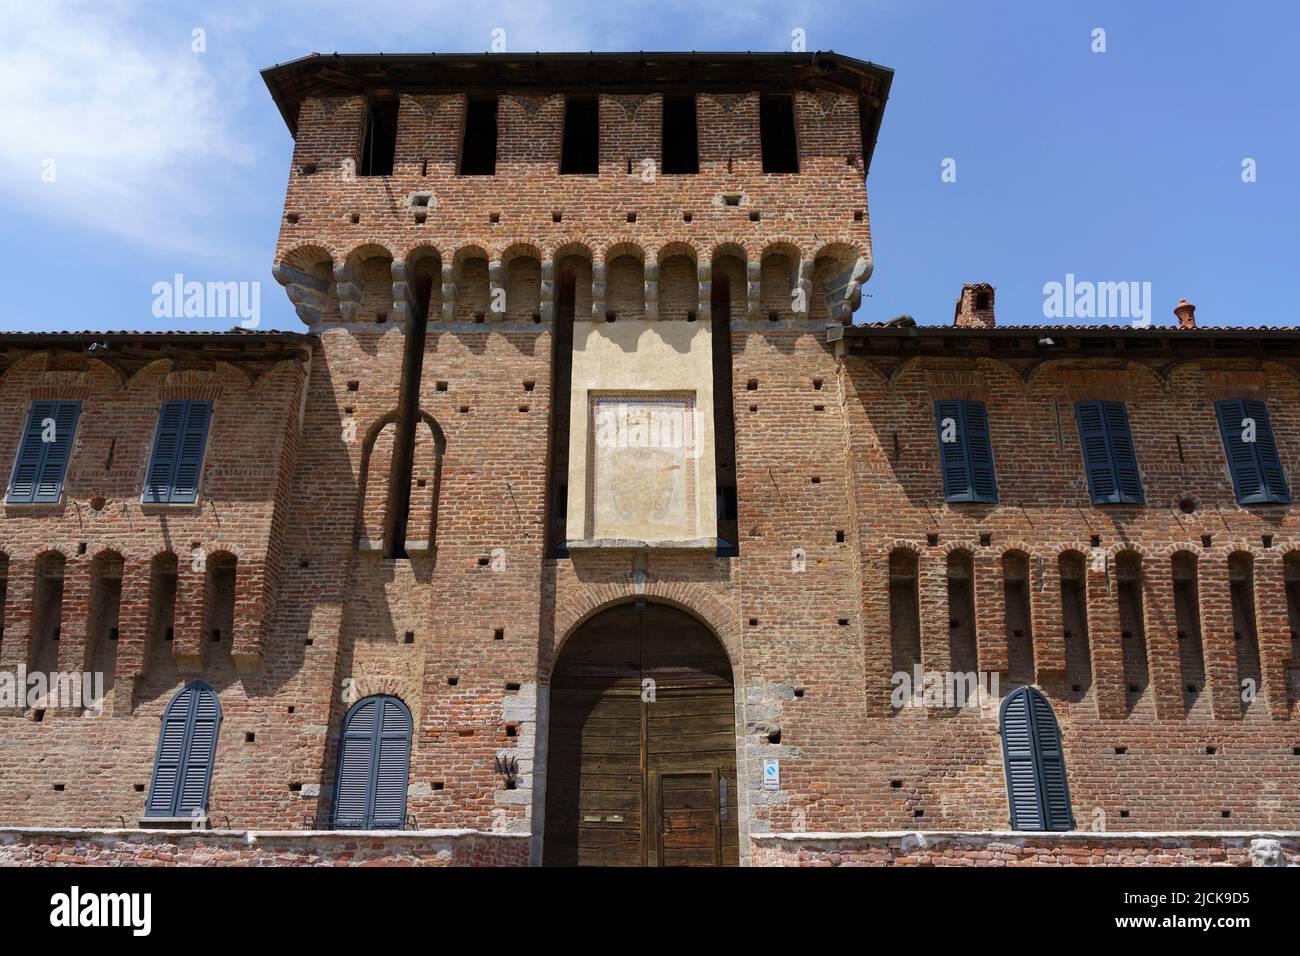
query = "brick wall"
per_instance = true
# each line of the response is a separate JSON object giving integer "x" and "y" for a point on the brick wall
{"x": 143, "y": 569}
{"x": 1155, "y": 758}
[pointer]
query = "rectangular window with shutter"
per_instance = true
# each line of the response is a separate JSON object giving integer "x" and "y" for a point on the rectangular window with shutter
{"x": 177, "y": 460}
{"x": 43, "y": 453}
{"x": 965, "y": 451}
{"x": 1108, "y": 455}
{"x": 1248, "y": 441}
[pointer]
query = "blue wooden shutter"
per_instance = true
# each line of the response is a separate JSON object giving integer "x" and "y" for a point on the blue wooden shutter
{"x": 952, "y": 455}
{"x": 166, "y": 446}
{"x": 177, "y": 462}
{"x": 1256, "y": 470}
{"x": 1122, "y": 453}
{"x": 1037, "y": 790}
{"x": 1021, "y": 768}
{"x": 356, "y": 754}
{"x": 1108, "y": 454}
{"x": 41, "y": 465}
{"x": 1051, "y": 764}
{"x": 979, "y": 450}
{"x": 200, "y": 751}
{"x": 967, "y": 462}
{"x": 392, "y": 767}
{"x": 1096, "y": 452}
{"x": 187, "y": 745}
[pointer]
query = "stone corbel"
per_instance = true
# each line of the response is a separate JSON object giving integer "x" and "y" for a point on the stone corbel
{"x": 405, "y": 306}
{"x": 348, "y": 290}
{"x": 801, "y": 279}
{"x": 547, "y": 291}
{"x": 496, "y": 289}
{"x": 597, "y": 291}
{"x": 754, "y": 289}
{"x": 704, "y": 275}
{"x": 448, "y": 292}
{"x": 651, "y": 289}
{"x": 307, "y": 294}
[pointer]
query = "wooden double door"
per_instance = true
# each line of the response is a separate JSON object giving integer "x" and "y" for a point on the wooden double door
{"x": 641, "y": 763}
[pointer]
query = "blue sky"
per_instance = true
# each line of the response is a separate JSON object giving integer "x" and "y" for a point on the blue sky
{"x": 1122, "y": 166}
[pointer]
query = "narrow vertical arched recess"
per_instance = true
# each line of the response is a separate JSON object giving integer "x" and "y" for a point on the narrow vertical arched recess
{"x": 47, "y": 612}
{"x": 105, "y": 605}
{"x": 728, "y": 275}
{"x": 1291, "y": 574}
{"x": 162, "y": 616}
{"x": 1074, "y": 620}
{"x": 1187, "y": 614}
{"x": 1019, "y": 627}
{"x": 904, "y": 615}
{"x": 400, "y": 472}
{"x": 374, "y": 765}
{"x": 4, "y": 590}
{"x": 1037, "y": 791}
{"x": 572, "y": 295}
{"x": 1245, "y": 638}
{"x": 219, "y": 600}
{"x": 1132, "y": 626}
{"x": 961, "y": 612}
{"x": 187, "y": 747}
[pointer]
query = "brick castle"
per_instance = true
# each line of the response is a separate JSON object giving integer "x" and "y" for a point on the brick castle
{"x": 580, "y": 514}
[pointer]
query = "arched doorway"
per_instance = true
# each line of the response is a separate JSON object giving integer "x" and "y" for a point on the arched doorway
{"x": 641, "y": 764}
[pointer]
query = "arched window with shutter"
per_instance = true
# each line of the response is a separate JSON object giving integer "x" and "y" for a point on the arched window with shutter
{"x": 374, "y": 763}
{"x": 1035, "y": 764}
{"x": 187, "y": 744}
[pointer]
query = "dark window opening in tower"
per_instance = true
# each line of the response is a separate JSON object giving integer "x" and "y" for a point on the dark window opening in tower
{"x": 561, "y": 382}
{"x": 680, "y": 135}
{"x": 478, "y": 153}
{"x": 580, "y": 150}
{"x": 379, "y": 145}
{"x": 776, "y": 130}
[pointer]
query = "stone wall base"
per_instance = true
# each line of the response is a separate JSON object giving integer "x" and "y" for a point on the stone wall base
{"x": 105, "y": 847}
{"x": 1080, "y": 848}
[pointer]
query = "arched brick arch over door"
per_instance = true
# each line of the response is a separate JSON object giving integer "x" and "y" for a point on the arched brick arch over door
{"x": 641, "y": 764}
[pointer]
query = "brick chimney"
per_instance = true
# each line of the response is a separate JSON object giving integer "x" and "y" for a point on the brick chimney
{"x": 975, "y": 307}
{"x": 1186, "y": 313}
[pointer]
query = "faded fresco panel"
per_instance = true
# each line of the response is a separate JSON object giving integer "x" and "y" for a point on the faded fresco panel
{"x": 641, "y": 466}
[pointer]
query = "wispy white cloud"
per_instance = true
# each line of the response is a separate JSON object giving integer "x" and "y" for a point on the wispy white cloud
{"x": 110, "y": 125}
